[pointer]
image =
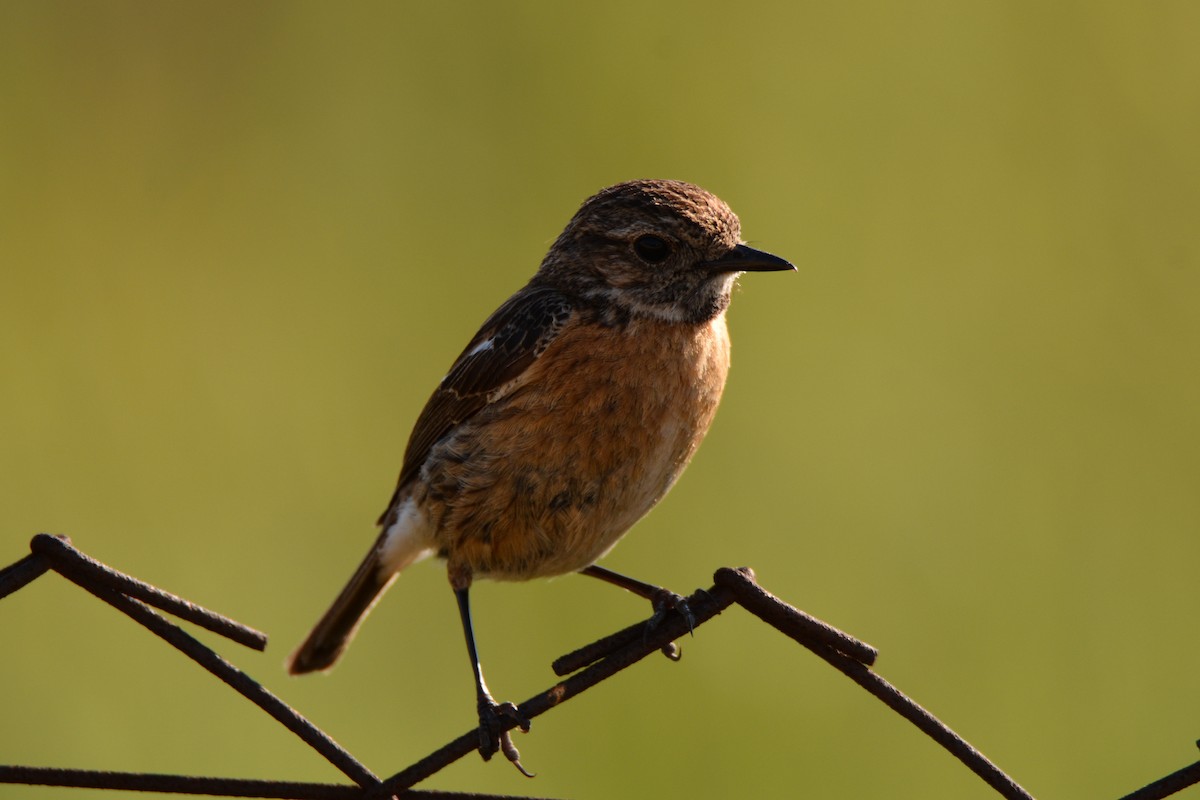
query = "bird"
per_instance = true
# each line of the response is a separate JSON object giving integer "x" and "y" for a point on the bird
{"x": 567, "y": 417}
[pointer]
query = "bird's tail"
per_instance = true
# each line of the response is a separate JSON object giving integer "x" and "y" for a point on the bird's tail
{"x": 394, "y": 551}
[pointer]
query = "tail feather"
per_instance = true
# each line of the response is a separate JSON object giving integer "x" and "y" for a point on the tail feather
{"x": 405, "y": 540}
{"x": 331, "y": 635}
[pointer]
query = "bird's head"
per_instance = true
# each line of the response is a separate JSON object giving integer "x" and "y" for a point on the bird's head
{"x": 657, "y": 248}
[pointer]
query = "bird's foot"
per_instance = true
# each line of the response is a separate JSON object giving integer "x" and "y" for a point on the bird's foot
{"x": 665, "y": 601}
{"x": 495, "y": 734}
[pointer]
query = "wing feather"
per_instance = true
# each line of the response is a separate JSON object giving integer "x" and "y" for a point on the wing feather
{"x": 508, "y": 343}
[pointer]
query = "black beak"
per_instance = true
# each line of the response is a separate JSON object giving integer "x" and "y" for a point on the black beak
{"x": 744, "y": 258}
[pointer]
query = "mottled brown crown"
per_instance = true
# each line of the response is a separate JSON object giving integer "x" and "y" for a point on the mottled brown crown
{"x": 608, "y": 257}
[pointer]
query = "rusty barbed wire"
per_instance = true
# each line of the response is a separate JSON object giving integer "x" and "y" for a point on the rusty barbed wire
{"x": 82, "y": 569}
{"x": 582, "y": 669}
{"x": 1166, "y": 786}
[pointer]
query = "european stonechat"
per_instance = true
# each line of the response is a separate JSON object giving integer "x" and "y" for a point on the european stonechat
{"x": 569, "y": 415}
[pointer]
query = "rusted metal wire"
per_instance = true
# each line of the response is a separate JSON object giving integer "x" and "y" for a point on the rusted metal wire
{"x": 787, "y": 619}
{"x": 704, "y": 605}
{"x": 627, "y": 637}
{"x": 222, "y": 787}
{"x": 1166, "y": 786}
{"x": 81, "y": 568}
{"x": 243, "y": 684}
{"x": 176, "y": 784}
{"x": 590, "y": 664}
{"x": 107, "y": 584}
{"x": 240, "y": 682}
{"x": 822, "y": 640}
{"x": 21, "y": 573}
{"x": 591, "y": 653}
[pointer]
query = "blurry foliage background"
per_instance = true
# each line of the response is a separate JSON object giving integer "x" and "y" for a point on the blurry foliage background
{"x": 241, "y": 242}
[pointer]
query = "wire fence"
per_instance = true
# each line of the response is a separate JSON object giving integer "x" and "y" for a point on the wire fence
{"x": 581, "y": 670}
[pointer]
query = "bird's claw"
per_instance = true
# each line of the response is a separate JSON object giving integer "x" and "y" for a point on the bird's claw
{"x": 665, "y": 601}
{"x": 495, "y": 735}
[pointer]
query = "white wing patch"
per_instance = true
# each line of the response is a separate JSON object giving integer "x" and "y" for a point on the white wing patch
{"x": 482, "y": 347}
{"x": 485, "y": 345}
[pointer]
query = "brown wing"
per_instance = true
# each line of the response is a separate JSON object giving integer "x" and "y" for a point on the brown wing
{"x": 509, "y": 341}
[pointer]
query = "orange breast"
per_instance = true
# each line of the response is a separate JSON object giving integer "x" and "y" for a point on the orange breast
{"x": 546, "y": 479}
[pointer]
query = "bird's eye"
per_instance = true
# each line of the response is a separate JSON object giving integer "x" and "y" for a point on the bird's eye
{"x": 651, "y": 248}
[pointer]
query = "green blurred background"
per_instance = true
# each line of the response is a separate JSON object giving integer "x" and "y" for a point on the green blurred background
{"x": 241, "y": 242}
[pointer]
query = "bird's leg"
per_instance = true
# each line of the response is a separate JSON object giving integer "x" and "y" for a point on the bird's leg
{"x": 492, "y": 734}
{"x": 663, "y": 601}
